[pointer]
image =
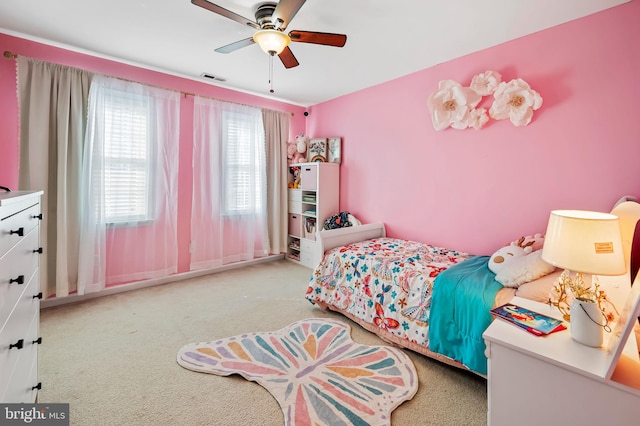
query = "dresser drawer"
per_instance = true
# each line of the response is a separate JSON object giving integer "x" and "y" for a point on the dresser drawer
{"x": 16, "y": 221}
{"x": 21, "y": 372}
{"x": 308, "y": 246}
{"x": 295, "y": 195}
{"x": 310, "y": 260}
{"x": 19, "y": 264}
{"x": 22, "y": 325}
{"x": 295, "y": 207}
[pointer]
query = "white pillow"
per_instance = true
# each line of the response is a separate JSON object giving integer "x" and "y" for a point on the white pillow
{"x": 523, "y": 269}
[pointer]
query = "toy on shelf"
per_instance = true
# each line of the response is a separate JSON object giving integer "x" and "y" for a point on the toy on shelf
{"x": 293, "y": 156}
{"x": 302, "y": 142}
{"x": 297, "y": 150}
{"x": 295, "y": 179}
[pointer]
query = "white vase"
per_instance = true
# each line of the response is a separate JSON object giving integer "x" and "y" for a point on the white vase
{"x": 586, "y": 323}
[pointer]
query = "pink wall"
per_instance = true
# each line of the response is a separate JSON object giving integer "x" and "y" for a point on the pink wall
{"x": 475, "y": 190}
{"x": 9, "y": 116}
{"x": 472, "y": 190}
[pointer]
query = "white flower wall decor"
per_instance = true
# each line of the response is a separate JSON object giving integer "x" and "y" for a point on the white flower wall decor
{"x": 516, "y": 101}
{"x": 486, "y": 83}
{"x": 453, "y": 105}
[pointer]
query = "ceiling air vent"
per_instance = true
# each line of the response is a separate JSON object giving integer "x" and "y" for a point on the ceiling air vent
{"x": 212, "y": 77}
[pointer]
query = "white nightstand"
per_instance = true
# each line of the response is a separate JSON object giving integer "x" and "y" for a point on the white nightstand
{"x": 555, "y": 380}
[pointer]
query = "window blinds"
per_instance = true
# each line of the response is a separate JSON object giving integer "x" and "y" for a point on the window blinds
{"x": 127, "y": 157}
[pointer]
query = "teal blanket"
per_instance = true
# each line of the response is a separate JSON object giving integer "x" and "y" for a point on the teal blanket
{"x": 462, "y": 297}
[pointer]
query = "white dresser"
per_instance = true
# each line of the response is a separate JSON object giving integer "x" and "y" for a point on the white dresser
{"x": 19, "y": 295}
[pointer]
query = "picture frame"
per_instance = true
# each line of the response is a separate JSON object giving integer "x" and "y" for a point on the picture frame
{"x": 317, "y": 150}
{"x": 335, "y": 150}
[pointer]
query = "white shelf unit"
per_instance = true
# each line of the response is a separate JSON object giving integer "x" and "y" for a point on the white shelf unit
{"x": 316, "y": 198}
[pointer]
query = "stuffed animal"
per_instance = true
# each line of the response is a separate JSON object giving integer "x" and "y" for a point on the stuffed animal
{"x": 293, "y": 156}
{"x": 295, "y": 178}
{"x": 291, "y": 149}
{"x": 504, "y": 255}
{"x": 518, "y": 263}
{"x": 301, "y": 146}
{"x": 536, "y": 241}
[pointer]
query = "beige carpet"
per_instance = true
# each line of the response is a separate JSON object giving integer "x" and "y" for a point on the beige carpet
{"x": 113, "y": 359}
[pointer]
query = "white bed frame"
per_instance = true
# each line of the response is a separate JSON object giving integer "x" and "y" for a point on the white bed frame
{"x": 332, "y": 238}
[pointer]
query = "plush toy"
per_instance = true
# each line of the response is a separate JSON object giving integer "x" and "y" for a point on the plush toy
{"x": 536, "y": 241}
{"x": 302, "y": 142}
{"x": 291, "y": 150}
{"x": 500, "y": 258}
{"x": 294, "y": 156}
{"x": 518, "y": 263}
{"x": 295, "y": 178}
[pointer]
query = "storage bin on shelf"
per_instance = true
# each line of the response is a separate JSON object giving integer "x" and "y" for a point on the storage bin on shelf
{"x": 308, "y": 176}
{"x": 295, "y": 224}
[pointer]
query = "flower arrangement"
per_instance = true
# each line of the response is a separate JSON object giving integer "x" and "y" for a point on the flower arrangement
{"x": 560, "y": 297}
{"x": 453, "y": 105}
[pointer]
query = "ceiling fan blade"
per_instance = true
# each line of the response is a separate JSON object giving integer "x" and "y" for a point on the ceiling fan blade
{"x": 287, "y": 58}
{"x": 285, "y": 11}
{"x": 232, "y": 47}
{"x": 224, "y": 12}
{"x": 327, "y": 39}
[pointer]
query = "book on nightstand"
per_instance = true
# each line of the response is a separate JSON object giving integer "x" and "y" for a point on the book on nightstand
{"x": 533, "y": 322}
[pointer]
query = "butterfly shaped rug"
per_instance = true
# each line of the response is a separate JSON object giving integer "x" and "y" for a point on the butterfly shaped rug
{"x": 318, "y": 375}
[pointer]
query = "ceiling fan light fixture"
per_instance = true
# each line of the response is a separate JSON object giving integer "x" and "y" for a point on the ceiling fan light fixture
{"x": 272, "y": 42}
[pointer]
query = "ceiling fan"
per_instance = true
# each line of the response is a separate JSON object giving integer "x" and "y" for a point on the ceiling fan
{"x": 271, "y": 20}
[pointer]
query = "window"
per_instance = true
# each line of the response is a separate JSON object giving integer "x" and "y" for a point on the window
{"x": 244, "y": 164}
{"x": 127, "y": 157}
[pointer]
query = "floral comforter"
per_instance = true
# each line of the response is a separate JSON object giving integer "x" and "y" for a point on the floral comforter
{"x": 387, "y": 282}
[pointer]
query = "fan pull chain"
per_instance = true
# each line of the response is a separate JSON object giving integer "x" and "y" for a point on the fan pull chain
{"x": 271, "y": 73}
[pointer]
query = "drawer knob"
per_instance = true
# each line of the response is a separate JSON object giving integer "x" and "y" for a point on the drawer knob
{"x": 38, "y": 250}
{"x": 38, "y": 296}
{"x": 38, "y": 216}
{"x": 19, "y": 231}
{"x": 19, "y": 280}
{"x": 17, "y": 345}
{"x": 38, "y": 386}
{"x": 38, "y": 341}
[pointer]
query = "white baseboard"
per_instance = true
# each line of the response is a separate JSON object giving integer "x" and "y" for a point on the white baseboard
{"x": 74, "y": 298}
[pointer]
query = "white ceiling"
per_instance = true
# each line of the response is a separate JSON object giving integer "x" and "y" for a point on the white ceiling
{"x": 386, "y": 39}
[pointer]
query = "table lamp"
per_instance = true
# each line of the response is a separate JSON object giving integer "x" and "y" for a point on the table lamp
{"x": 585, "y": 242}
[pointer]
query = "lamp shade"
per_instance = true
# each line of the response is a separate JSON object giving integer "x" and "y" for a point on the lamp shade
{"x": 584, "y": 241}
{"x": 271, "y": 41}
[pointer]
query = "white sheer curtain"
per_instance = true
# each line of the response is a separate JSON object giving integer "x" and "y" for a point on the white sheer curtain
{"x": 53, "y": 109}
{"x": 228, "y": 222}
{"x": 130, "y": 177}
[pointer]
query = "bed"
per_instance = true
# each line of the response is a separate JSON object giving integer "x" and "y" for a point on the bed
{"x": 429, "y": 299}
